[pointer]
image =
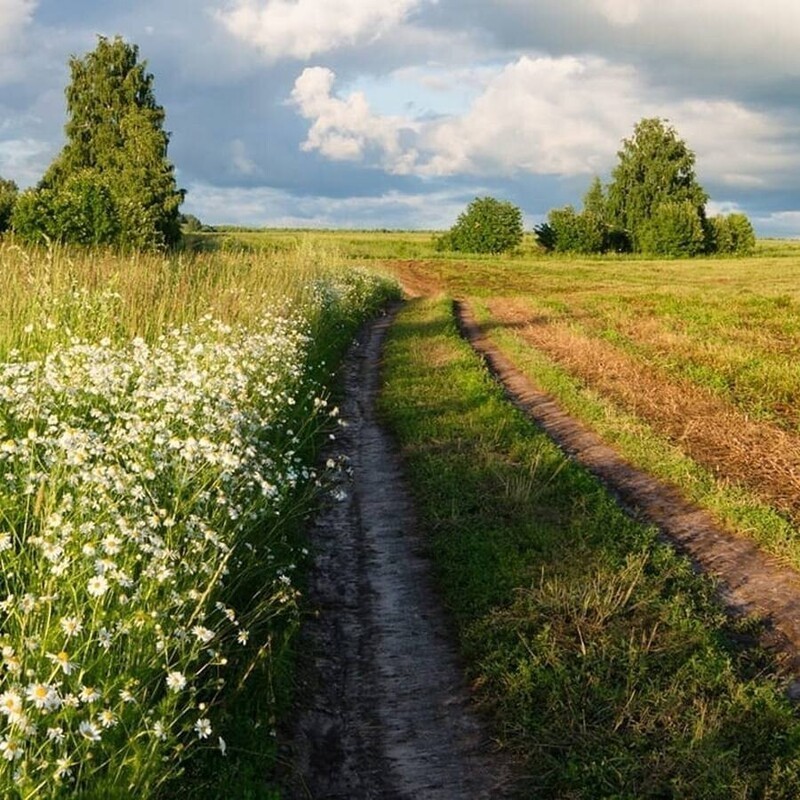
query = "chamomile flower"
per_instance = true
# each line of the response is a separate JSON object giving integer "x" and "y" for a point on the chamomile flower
{"x": 97, "y": 586}
{"x": 43, "y": 696}
{"x": 11, "y": 705}
{"x": 89, "y": 731}
{"x": 11, "y": 749}
{"x": 203, "y": 728}
{"x": 61, "y": 660}
{"x": 176, "y": 681}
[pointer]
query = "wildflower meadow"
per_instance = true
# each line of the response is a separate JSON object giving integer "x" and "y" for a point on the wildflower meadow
{"x": 159, "y": 430}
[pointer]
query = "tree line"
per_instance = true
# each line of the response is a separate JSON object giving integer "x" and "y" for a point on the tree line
{"x": 113, "y": 184}
{"x": 653, "y": 205}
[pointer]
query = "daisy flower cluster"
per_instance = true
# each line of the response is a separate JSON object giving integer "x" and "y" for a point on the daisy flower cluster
{"x": 142, "y": 487}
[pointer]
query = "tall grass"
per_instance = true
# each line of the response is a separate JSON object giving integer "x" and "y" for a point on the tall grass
{"x": 158, "y": 428}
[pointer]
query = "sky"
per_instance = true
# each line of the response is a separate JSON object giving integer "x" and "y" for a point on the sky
{"x": 397, "y": 113}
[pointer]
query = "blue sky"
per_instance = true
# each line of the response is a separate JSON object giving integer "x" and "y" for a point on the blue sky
{"x": 364, "y": 113}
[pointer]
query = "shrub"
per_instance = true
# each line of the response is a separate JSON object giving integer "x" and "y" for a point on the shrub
{"x": 80, "y": 211}
{"x": 487, "y": 225}
{"x": 673, "y": 229}
{"x": 8, "y": 199}
{"x": 567, "y": 231}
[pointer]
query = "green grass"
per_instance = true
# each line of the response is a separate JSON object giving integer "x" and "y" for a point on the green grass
{"x": 637, "y": 442}
{"x": 609, "y": 667}
{"x": 160, "y": 424}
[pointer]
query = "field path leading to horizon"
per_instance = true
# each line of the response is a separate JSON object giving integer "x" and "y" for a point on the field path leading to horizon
{"x": 384, "y": 711}
{"x": 740, "y": 449}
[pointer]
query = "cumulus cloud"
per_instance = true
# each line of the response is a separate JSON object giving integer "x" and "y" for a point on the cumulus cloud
{"x": 14, "y": 16}
{"x": 347, "y": 130}
{"x": 302, "y": 28}
{"x": 546, "y": 116}
{"x": 282, "y": 209}
{"x": 728, "y": 43}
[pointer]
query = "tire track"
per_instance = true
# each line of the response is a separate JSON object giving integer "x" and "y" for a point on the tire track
{"x": 750, "y": 582}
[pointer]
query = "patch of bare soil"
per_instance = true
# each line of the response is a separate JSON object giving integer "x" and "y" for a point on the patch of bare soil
{"x": 415, "y": 277}
{"x": 758, "y": 455}
{"x": 383, "y": 711}
{"x": 751, "y": 582}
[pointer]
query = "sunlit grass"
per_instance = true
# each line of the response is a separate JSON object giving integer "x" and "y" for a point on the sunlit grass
{"x": 159, "y": 422}
{"x": 609, "y": 666}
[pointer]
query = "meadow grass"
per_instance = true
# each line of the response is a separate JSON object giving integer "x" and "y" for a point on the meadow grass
{"x": 609, "y": 666}
{"x": 160, "y": 419}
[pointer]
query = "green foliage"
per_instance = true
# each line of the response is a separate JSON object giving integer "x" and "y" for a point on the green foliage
{"x": 487, "y": 225}
{"x": 8, "y": 199}
{"x": 655, "y": 167}
{"x": 732, "y": 235}
{"x": 32, "y": 218}
{"x": 571, "y": 232}
{"x": 116, "y": 155}
{"x": 80, "y": 210}
{"x": 190, "y": 223}
{"x": 673, "y": 229}
{"x": 545, "y": 236}
{"x": 590, "y": 231}
{"x": 574, "y": 232}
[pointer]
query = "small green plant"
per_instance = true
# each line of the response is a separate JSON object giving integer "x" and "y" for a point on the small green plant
{"x": 487, "y": 225}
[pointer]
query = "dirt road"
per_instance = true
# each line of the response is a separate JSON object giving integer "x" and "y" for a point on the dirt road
{"x": 384, "y": 711}
{"x": 750, "y": 581}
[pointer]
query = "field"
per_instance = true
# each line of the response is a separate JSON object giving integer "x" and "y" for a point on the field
{"x": 160, "y": 428}
{"x": 159, "y": 425}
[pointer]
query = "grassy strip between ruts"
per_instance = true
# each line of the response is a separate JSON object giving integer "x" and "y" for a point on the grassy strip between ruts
{"x": 609, "y": 666}
{"x": 640, "y": 444}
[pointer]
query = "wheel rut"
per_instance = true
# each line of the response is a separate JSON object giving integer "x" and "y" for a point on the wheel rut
{"x": 750, "y": 582}
{"x": 383, "y": 709}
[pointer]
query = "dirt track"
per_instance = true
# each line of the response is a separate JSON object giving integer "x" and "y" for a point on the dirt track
{"x": 384, "y": 712}
{"x": 750, "y": 581}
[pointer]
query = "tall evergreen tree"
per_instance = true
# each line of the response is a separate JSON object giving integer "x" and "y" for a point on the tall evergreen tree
{"x": 655, "y": 168}
{"x": 116, "y": 140}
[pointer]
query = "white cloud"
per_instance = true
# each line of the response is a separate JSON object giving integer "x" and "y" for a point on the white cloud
{"x": 242, "y": 164}
{"x": 264, "y": 206}
{"x": 303, "y": 28}
{"x": 347, "y": 130}
{"x": 782, "y": 224}
{"x": 14, "y": 16}
{"x": 24, "y": 160}
{"x": 557, "y": 116}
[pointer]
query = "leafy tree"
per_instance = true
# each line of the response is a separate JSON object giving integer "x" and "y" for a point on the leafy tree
{"x": 742, "y": 233}
{"x": 8, "y": 199}
{"x": 80, "y": 211}
{"x": 576, "y": 233}
{"x": 116, "y": 152}
{"x": 732, "y": 235}
{"x": 546, "y": 236}
{"x": 190, "y": 223}
{"x": 594, "y": 201}
{"x": 655, "y": 168}
{"x": 673, "y": 229}
{"x": 487, "y": 225}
